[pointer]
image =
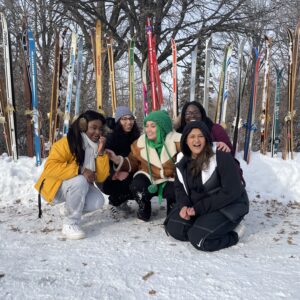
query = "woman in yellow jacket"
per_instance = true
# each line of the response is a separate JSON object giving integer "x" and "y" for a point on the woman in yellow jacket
{"x": 75, "y": 162}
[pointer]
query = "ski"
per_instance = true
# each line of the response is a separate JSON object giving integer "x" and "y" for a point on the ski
{"x": 174, "y": 77}
{"x": 193, "y": 73}
{"x": 208, "y": 45}
{"x": 9, "y": 88}
{"x": 264, "y": 118}
{"x": 151, "y": 50}
{"x": 275, "y": 126}
{"x": 27, "y": 90}
{"x": 250, "y": 125}
{"x": 144, "y": 83}
{"x": 78, "y": 77}
{"x": 98, "y": 65}
{"x": 70, "y": 83}
{"x": 224, "y": 99}
{"x": 131, "y": 76}
{"x": 112, "y": 82}
{"x": 34, "y": 97}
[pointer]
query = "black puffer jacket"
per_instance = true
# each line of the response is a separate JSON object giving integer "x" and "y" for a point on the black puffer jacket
{"x": 222, "y": 191}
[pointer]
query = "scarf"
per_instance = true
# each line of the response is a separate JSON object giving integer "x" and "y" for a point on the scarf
{"x": 90, "y": 153}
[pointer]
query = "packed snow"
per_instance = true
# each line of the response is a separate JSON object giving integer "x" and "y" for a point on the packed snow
{"x": 131, "y": 259}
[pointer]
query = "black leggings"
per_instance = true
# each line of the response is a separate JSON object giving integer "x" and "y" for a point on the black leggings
{"x": 210, "y": 232}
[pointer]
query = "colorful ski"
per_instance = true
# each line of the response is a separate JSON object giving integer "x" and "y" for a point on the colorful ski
{"x": 9, "y": 87}
{"x": 264, "y": 121}
{"x": 34, "y": 97}
{"x": 70, "y": 83}
{"x": 207, "y": 73}
{"x": 275, "y": 127}
{"x": 144, "y": 82}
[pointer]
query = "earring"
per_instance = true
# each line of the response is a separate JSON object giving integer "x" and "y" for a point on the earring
{"x": 82, "y": 124}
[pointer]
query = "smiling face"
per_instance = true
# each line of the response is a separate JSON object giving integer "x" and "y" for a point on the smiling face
{"x": 196, "y": 142}
{"x": 127, "y": 123}
{"x": 150, "y": 130}
{"x": 94, "y": 130}
{"x": 192, "y": 113}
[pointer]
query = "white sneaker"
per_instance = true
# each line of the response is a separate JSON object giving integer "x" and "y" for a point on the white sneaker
{"x": 72, "y": 232}
{"x": 240, "y": 230}
{"x": 62, "y": 210}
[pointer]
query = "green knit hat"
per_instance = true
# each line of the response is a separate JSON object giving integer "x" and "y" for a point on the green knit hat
{"x": 162, "y": 119}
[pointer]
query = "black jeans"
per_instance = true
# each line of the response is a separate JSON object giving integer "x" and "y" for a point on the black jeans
{"x": 210, "y": 232}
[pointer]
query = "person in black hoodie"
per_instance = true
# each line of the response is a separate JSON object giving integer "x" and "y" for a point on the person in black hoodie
{"x": 125, "y": 133}
{"x": 211, "y": 200}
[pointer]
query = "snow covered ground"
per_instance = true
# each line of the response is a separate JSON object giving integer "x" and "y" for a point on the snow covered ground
{"x": 134, "y": 260}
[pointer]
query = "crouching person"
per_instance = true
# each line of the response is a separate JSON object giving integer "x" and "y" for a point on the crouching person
{"x": 211, "y": 200}
{"x": 75, "y": 162}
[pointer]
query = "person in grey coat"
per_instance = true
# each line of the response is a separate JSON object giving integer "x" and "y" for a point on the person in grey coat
{"x": 211, "y": 200}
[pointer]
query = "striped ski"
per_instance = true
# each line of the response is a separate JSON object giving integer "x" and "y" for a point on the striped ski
{"x": 208, "y": 45}
{"x": 34, "y": 97}
{"x": 144, "y": 83}
{"x": 264, "y": 119}
{"x": 275, "y": 127}
{"x": 70, "y": 83}
{"x": 9, "y": 88}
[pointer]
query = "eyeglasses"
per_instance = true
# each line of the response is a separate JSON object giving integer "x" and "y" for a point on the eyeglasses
{"x": 194, "y": 113}
{"x": 130, "y": 119}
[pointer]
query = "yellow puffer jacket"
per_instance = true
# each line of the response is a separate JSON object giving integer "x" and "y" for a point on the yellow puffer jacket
{"x": 61, "y": 165}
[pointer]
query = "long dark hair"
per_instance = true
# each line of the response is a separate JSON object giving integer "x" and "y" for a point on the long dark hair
{"x": 74, "y": 133}
{"x": 201, "y": 162}
{"x": 209, "y": 123}
{"x": 132, "y": 135}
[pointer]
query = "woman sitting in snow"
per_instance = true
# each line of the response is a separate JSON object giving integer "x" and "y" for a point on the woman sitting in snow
{"x": 75, "y": 162}
{"x": 211, "y": 200}
{"x": 152, "y": 159}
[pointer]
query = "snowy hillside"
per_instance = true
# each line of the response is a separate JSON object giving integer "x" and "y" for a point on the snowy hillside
{"x": 135, "y": 260}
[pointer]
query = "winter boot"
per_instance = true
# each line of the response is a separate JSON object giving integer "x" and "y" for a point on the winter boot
{"x": 144, "y": 211}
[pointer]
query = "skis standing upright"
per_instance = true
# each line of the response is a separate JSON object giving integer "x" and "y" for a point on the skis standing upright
{"x": 264, "y": 122}
{"x": 239, "y": 96}
{"x": 174, "y": 76}
{"x": 9, "y": 88}
{"x": 70, "y": 83}
{"x": 207, "y": 73}
{"x": 112, "y": 82}
{"x": 131, "y": 77}
{"x": 275, "y": 127}
{"x": 292, "y": 76}
{"x": 78, "y": 77}
{"x": 250, "y": 125}
{"x": 34, "y": 96}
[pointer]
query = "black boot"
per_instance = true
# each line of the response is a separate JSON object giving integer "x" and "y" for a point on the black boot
{"x": 144, "y": 212}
